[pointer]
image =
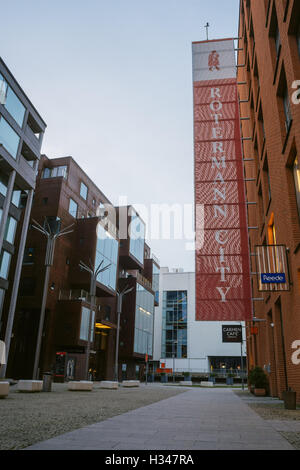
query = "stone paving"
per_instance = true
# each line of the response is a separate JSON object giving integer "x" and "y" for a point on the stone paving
{"x": 199, "y": 419}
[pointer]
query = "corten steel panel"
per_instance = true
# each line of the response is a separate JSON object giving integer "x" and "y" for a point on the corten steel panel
{"x": 223, "y": 288}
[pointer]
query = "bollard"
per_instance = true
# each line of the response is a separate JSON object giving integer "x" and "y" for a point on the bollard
{"x": 47, "y": 381}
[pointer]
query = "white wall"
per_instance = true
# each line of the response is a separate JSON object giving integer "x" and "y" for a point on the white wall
{"x": 204, "y": 338}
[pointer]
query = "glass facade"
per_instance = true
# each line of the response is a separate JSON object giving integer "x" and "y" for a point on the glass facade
{"x": 174, "y": 327}
{"x": 137, "y": 238}
{"x": 107, "y": 251}
{"x": 9, "y": 138}
{"x": 11, "y": 102}
{"x": 84, "y": 325}
{"x": 144, "y": 316}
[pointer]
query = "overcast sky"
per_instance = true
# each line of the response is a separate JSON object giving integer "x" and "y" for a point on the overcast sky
{"x": 113, "y": 81}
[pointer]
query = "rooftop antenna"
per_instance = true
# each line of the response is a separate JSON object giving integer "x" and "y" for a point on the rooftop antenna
{"x": 207, "y": 26}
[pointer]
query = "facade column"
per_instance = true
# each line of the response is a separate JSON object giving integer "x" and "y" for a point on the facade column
{"x": 15, "y": 289}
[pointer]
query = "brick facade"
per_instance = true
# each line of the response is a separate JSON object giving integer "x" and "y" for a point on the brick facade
{"x": 269, "y": 62}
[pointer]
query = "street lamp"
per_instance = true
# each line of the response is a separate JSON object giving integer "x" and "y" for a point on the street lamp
{"x": 173, "y": 347}
{"x": 52, "y": 236}
{"x": 120, "y": 295}
{"x": 94, "y": 273}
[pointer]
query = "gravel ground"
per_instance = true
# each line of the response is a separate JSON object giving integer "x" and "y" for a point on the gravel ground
{"x": 273, "y": 410}
{"x": 27, "y": 418}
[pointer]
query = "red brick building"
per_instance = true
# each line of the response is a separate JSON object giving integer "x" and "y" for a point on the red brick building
{"x": 269, "y": 66}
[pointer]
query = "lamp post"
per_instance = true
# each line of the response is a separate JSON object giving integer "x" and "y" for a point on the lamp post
{"x": 120, "y": 295}
{"x": 52, "y": 236}
{"x": 174, "y": 343}
{"x": 94, "y": 273}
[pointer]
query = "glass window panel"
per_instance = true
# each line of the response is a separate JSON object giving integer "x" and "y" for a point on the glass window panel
{"x": 16, "y": 197}
{"x": 9, "y": 138}
{"x": 10, "y": 230}
{"x": 83, "y": 191}
{"x": 4, "y": 264}
{"x": 15, "y": 107}
{"x": 84, "y": 325}
{"x": 73, "y": 208}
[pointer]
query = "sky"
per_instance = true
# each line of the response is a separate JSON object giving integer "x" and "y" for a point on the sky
{"x": 113, "y": 81}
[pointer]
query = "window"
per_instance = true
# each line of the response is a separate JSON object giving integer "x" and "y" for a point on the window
{"x": 28, "y": 256}
{"x": 84, "y": 325}
{"x": 174, "y": 334}
{"x": 73, "y": 207}
{"x": 272, "y": 231}
{"x": 9, "y": 138}
{"x": 277, "y": 41}
{"x": 287, "y": 109}
{"x": 10, "y": 230}
{"x": 144, "y": 314}
{"x": 16, "y": 197}
{"x": 107, "y": 251}
{"x": 83, "y": 191}
{"x": 137, "y": 237}
{"x": 4, "y": 264}
{"x": 56, "y": 172}
{"x": 11, "y": 102}
{"x": 3, "y": 185}
{"x": 296, "y": 171}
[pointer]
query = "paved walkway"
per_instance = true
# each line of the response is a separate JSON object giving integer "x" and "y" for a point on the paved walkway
{"x": 199, "y": 419}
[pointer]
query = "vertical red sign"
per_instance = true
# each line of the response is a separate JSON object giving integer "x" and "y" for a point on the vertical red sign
{"x": 223, "y": 286}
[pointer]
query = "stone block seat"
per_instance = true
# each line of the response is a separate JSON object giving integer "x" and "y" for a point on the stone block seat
{"x": 207, "y": 384}
{"x": 4, "y": 389}
{"x": 80, "y": 386}
{"x": 109, "y": 384}
{"x": 186, "y": 382}
{"x": 30, "y": 386}
{"x": 131, "y": 383}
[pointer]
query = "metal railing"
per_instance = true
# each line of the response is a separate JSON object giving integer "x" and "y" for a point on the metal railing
{"x": 74, "y": 294}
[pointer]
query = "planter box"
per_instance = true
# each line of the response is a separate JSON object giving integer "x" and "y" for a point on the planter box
{"x": 207, "y": 384}
{"x": 131, "y": 383}
{"x": 30, "y": 386}
{"x": 186, "y": 382}
{"x": 109, "y": 384}
{"x": 4, "y": 389}
{"x": 259, "y": 392}
{"x": 81, "y": 386}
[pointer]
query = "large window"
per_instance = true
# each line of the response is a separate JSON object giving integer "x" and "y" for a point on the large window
{"x": 155, "y": 282}
{"x": 11, "y": 102}
{"x": 296, "y": 170}
{"x": 137, "y": 238}
{"x": 56, "y": 172}
{"x": 84, "y": 325}
{"x": 73, "y": 207}
{"x": 9, "y": 138}
{"x": 4, "y": 264}
{"x": 83, "y": 191}
{"x": 107, "y": 251}
{"x": 10, "y": 230}
{"x": 174, "y": 333}
{"x": 143, "y": 327}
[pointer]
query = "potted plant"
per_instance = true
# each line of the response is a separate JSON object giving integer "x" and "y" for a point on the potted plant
{"x": 187, "y": 377}
{"x": 258, "y": 380}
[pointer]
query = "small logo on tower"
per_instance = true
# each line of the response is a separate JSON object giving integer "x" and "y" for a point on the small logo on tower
{"x": 214, "y": 61}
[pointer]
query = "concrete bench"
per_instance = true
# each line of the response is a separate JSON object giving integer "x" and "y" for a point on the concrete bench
{"x": 186, "y": 382}
{"x": 4, "y": 389}
{"x": 30, "y": 386}
{"x": 109, "y": 384}
{"x": 131, "y": 383}
{"x": 80, "y": 386}
{"x": 207, "y": 384}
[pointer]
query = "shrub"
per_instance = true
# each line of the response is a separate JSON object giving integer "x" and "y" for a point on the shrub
{"x": 258, "y": 378}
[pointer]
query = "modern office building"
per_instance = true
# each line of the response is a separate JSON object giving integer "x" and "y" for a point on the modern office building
{"x": 67, "y": 199}
{"x": 184, "y": 344}
{"x": 21, "y": 135}
{"x": 269, "y": 67}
